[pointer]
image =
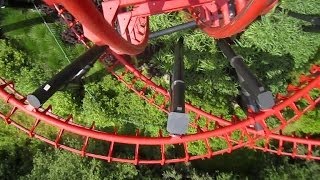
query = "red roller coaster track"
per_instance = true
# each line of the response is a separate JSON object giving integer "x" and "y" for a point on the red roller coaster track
{"x": 131, "y": 39}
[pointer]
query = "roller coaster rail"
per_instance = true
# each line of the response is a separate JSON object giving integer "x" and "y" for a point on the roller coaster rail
{"x": 237, "y": 133}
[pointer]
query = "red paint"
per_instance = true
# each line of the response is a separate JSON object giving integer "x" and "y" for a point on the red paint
{"x": 135, "y": 29}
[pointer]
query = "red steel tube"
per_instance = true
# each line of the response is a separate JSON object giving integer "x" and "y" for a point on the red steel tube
{"x": 241, "y": 21}
{"x": 164, "y": 92}
{"x": 308, "y": 142}
{"x": 89, "y": 16}
{"x": 132, "y": 2}
{"x": 165, "y": 6}
{"x": 87, "y": 132}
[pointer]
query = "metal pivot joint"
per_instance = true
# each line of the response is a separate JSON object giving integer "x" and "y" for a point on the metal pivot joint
{"x": 178, "y": 120}
{"x": 74, "y": 70}
{"x": 258, "y": 98}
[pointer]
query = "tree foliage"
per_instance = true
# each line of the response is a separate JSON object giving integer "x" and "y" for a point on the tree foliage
{"x": 109, "y": 103}
{"x": 275, "y": 48}
{"x": 12, "y": 60}
{"x": 63, "y": 165}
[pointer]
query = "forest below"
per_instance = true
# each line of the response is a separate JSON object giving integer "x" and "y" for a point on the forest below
{"x": 275, "y": 47}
